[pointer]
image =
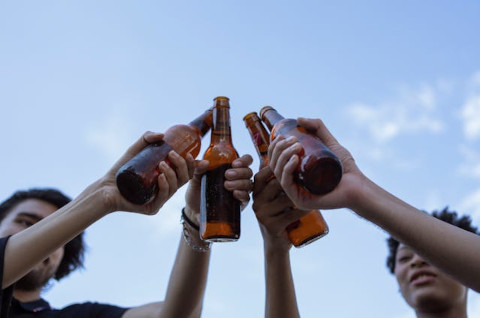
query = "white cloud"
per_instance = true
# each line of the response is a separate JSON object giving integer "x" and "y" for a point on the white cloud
{"x": 470, "y": 112}
{"x": 471, "y": 204}
{"x": 426, "y": 97}
{"x": 471, "y": 117}
{"x": 413, "y": 111}
{"x": 471, "y": 166}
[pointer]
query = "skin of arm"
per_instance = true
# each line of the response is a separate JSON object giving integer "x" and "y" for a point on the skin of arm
{"x": 97, "y": 200}
{"x": 188, "y": 279}
{"x": 451, "y": 249}
{"x": 272, "y": 209}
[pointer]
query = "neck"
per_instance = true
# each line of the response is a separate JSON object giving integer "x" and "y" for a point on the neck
{"x": 26, "y": 296}
{"x": 221, "y": 130}
{"x": 270, "y": 116}
{"x": 203, "y": 122}
{"x": 459, "y": 311}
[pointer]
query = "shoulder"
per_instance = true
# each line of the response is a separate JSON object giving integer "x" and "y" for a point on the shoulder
{"x": 94, "y": 309}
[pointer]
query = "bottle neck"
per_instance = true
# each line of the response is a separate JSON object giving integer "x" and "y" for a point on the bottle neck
{"x": 203, "y": 122}
{"x": 221, "y": 130}
{"x": 260, "y": 137}
{"x": 270, "y": 117}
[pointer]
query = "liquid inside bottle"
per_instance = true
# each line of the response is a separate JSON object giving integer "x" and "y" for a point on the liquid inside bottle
{"x": 319, "y": 170}
{"x": 219, "y": 210}
{"x": 308, "y": 228}
{"x": 137, "y": 179}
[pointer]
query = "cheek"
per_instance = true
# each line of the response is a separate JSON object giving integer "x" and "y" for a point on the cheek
{"x": 6, "y": 230}
{"x": 57, "y": 256}
{"x": 401, "y": 276}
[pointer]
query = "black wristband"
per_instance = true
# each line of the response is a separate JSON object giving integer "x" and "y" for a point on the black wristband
{"x": 190, "y": 222}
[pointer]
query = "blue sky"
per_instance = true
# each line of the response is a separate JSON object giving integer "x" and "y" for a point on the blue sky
{"x": 397, "y": 82}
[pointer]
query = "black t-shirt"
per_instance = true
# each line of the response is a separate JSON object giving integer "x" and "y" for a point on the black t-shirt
{"x": 41, "y": 309}
{"x": 12, "y": 308}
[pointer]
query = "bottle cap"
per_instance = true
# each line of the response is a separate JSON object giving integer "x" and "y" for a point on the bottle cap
{"x": 265, "y": 109}
{"x": 221, "y": 101}
{"x": 252, "y": 115}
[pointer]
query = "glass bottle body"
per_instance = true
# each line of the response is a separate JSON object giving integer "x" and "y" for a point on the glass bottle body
{"x": 137, "y": 180}
{"x": 308, "y": 228}
{"x": 319, "y": 170}
{"x": 219, "y": 210}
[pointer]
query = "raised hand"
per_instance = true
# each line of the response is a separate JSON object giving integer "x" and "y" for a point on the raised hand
{"x": 283, "y": 154}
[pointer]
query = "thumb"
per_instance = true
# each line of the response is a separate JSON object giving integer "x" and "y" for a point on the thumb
{"x": 201, "y": 166}
{"x": 319, "y": 129}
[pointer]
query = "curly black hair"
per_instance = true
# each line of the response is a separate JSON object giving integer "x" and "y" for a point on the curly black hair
{"x": 463, "y": 222}
{"x": 74, "y": 250}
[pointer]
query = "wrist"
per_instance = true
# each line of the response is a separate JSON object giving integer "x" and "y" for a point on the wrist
{"x": 192, "y": 215}
{"x": 191, "y": 235}
{"x": 368, "y": 198}
{"x": 357, "y": 192}
{"x": 99, "y": 198}
{"x": 276, "y": 249}
{"x": 276, "y": 254}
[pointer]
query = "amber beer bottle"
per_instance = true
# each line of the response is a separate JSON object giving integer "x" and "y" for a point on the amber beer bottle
{"x": 319, "y": 170}
{"x": 308, "y": 228}
{"x": 137, "y": 179}
{"x": 219, "y": 210}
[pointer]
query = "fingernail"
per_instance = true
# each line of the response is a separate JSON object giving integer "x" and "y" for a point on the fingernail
{"x": 291, "y": 139}
{"x": 163, "y": 164}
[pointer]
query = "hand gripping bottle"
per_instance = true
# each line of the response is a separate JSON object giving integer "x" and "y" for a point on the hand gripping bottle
{"x": 308, "y": 228}
{"x": 219, "y": 210}
{"x": 319, "y": 170}
{"x": 137, "y": 179}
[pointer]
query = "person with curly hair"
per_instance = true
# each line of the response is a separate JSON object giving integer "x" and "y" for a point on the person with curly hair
{"x": 454, "y": 251}
{"x": 425, "y": 288}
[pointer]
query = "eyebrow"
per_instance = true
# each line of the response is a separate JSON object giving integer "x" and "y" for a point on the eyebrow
{"x": 30, "y": 215}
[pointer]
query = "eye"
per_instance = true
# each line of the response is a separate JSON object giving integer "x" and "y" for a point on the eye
{"x": 403, "y": 258}
{"x": 24, "y": 222}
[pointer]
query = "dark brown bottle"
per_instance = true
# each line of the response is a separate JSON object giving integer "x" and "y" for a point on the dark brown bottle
{"x": 308, "y": 228}
{"x": 319, "y": 170}
{"x": 137, "y": 179}
{"x": 219, "y": 210}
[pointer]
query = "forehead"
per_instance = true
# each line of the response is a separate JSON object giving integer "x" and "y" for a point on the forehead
{"x": 32, "y": 206}
{"x": 402, "y": 247}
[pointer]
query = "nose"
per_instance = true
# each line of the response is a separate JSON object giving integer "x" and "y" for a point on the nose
{"x": 417, "y": 261}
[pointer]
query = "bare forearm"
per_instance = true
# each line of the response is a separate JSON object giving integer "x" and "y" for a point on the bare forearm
{"x": 187, "y": 284}
{"x": 29, "y": 247}
{"x": 455, "y": 251}
{"x": 280, "y": 290}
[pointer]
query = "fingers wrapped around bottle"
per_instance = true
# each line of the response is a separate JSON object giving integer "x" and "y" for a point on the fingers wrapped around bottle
{"x": 269, "y": 200}
{"x": 273, "y": 208}
{"x": 238, "y": 179}
{"x": 175, "y": 174}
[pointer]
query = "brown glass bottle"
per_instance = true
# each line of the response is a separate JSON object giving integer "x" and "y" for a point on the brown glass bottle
{"x": 137, "y": 179}
{"x": 308, "y": 228}
{"x": 219, "y": 210}
{"x": 319, "y": 170}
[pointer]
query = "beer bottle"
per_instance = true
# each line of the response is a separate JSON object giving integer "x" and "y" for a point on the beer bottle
{"x": 319, "y": 170}
{"x": 137, "y": 178}
{"x": 308, "y": 228}
{"x": 219, "y": 210}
